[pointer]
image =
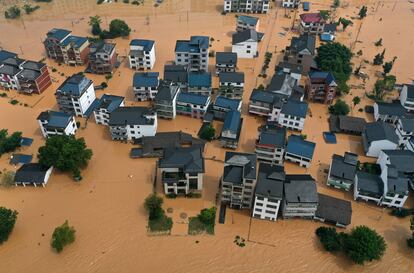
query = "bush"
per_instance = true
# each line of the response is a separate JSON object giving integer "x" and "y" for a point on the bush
{"x": 9, "y": 143}
{"x": 205, "y": 221}
{"x": 14, "y": 102}
{"x": 339, "y": 108}
{"x": 364, "y": 244}
{"x": 104, "y": 85}
{"x": 400, "y": 212}
{"x": 7, "y": 179}
{"x": 161, "y": 224}
{"x": 8, "y": 218}
{"x": 208, "y": 133}
{"x": 153, "y": 205}
{"x": 12, "y": 13}
{"x": 29, "y": 9}
{"x": 3, "y": 95}
{"x": 329, "y": 238}
{"x": 63, "y": 236}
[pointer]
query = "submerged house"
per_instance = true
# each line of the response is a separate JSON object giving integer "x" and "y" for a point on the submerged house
{"x": 379, "y": 136}
{"x": 231, "y": 84}
{"x": 321, "y": 87}
{"x": 269, "y": 191}
{"x": 165, "y": 101}
{"x": 333, "y": 210}
{"x": 299, "y": 151}
{"x": 293, "y": 114}
{"x": 193, "y": 53}
{"x": 388, "y": 112}
{"x": 244, "y": 44}
{"x": 346, "y": 124}
{"x": 102, "y": 58}
{"x": 199, "y": 83}
{"x": 342, "y": 171}
{"x": 141, "y": 54}
{"x": 271, "y": 144}
{"x": 239, "y": 180}
{"x": 223, "y": 105}
{"x": 193, "y": 105}
{"x": 230, "y": 133}
{"x": 182, "y": 170}
{"x": 145, "y": 85}
{"x": 245, "y": 22}
{"x": 252, "y": 6}
{"x": 301, "y": 51}
{"x": 226, "y": 62}
{"x": 32, "y": 174}
{"x": 57, "y": 123}
{"x": 404, "y": 130}
{"x": 177, "y": 74}
{"x": 311, "y": 23}
{"x": 107, "y": 104}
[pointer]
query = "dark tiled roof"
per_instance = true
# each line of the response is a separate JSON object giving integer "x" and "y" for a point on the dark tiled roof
{"x": 193, "y": 45}
{"x": 146, "y": 79}
{"x": 334, "y": 210}
{"x": 375, "y": 131}
{"x": 403, "y": 160}
{"x": 346, "y": 123}
{"x": 301, "y": 190}
{"x": 226, "y": 58}
{"x": 175, "y": 73}
{"x": 4, "y": 54}
{"x": 240, "y": 37}
{"x": 14, "y": 61}
{"x": 33, "y": 65}
{"x": 75, "y": 85}
{"x": 298, "y": 146}
{"x": 133, "y": 115}
{"x": 195, "y": 99}
{"x": 391, "y": 109}
{"x": 75, "y": 41}
{"x": 370, "y": 183}
{"x": 9, "y": 70}
{"x": 248, "y": 19}
{"x": 166, "y": 92}
{"x": 146, "y": 44}
{"x": 232, "y": 77}
{"x": 344, "y": 167}
{"x": 295, "y": 108}
{"x": 243, "y": 159}
{"x": 31, "y": 173}
{"x": 272, "y": 136}
{"x": 282, "y": 84}
{"x": 223, "y": 102}
{"x": 109, "y": 102}
{"x": 270, "y": 181}
{"x": 189, "y": 159}
{"x": 58, "y": 33}
{"x": 325, "y": 77}
{"x": 303, "y": 42}
{"x": 410, "y": 90}
{"x": 266, "y": 97}
{"x": 55, "y": 119}
{"x": 232, "y": 121}
{"x": 331, "y": 28}
{"x": 28, "y": 74}
{"x": 199, "y": 79}
{"x": 407, "y": 124}
{"x": 285, "y": 67}
{"x": 101, "y": 47}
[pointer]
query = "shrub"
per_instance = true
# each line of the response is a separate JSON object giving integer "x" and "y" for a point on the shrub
{"x": 14, "y": 102}
{"x": 153, "y": 205}
{"x": 29, "y": 9}
{"x": 104, "y": 85}
{"x": 208, "y": 133}
{"x": 378, "y": 43}
{"x": 339, "y": 108}
{"x": 8, "y": 218}
{"x": 400, "y": 212}
{"x": 329, "y": 238}
{"x": 7, "y": 179}
{"x": 364, "y": 244}
{"x": 63, "y": 236}
{"x": 9, "y": 143}
{"x": 12, "y": 13}
{"x": 3, "y": 95}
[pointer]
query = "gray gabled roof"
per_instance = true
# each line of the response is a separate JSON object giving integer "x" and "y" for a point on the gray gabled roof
{"x": 232, "y": 77}
{"x": 246, "y": 160}
{"x": 410, "y": 90}
{"x": 375, "y": 131}
{"x": 391, "y": 109}
{"x": 75, "y": 85}
{"x": 132, "y": 115}
{"x": 371, "y": 183}
{"x": 407, "y": 124}
{"x": 243, "y": 36}
{"x": 189, "y": 159}
{"x": 286, "y": 67}
{"x": 58, "y": 120}
{"x": 402, "y": 159}
{"x": 295, "y": 108}
{"x": 31, "y": 173}
{"x": 303, "y": 42}
{"x": 270, "y": 181}
{"x": 344, "y": 167}
{"x": 282, "y": 83}
{"x": 166, "y": 92}
{"x": 226, "y": 58}
{"x": 272, "y": 136}
{"x": 300, "y": 190}
{"x": 334, "y": 210}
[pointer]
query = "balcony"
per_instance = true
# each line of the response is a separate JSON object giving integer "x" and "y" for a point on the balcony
{"x": 174, "y": 177}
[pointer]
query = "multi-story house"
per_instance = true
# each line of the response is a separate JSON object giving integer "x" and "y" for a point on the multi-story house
{"x": 193, "y": 105}
{"x": 193, "y": 53}
{"x": 239, "y": 180}
{"x": 293, "y": 70}
{"x": 244, "y": 44}
{"x": 76, "y": 95}
{"x": 404, "y": 130}
{"x": 299, "y": 151}
{"x": 293, "y": 4}
{"x": 293, "y": 114}
{"x": 199, "y": 83}
{"x": 176, "y": 74}
{"x": 141, "y": 54}
{"x": 342, "y": 171}
{"x": 182, "y": 170}
{"x": 65, "y": 48}
{"x": 300, "y": 197}
{"x": 245, "y": 22}
{"x": 249, "y": 6}
{"x": 368, "y": 187}
{"x": 282, "y": 83}
{"x": 226, "y": 62}
{"x": 133, "y": 122}
{"x": 379, "y": 136}
{"x": 346, "y": 124}
{"x": 333, "y": 210}
{"x": 269, "y": 191}
{"x": 9, "y": 68}
{"x": 407, "y": 97}
{"x": 265, "y": 103}
{"x": 165, "y": 101}
{"x": 271, "y": 144}
{"x": 311, "y": 23}
{"x": 57, "y": 123}
{"x": 388, "y": 112}
{"x": 223, "y": 105}
{"x": 301, "y": 51}
{"x": 231, "y": 84}
{"x": 102, "y": 58}
{"x": 145, "y": 85}
{"x": 107, "y": 104}
{"x": 321, "y": 87}
{"x": 230, "y": 133}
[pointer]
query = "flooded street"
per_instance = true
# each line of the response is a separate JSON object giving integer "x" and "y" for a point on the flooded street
{"x": 106, "y": 208}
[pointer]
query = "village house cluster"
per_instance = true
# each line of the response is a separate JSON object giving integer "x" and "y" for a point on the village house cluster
{"x": 253, "y": 180}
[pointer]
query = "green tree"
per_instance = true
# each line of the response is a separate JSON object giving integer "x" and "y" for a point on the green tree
{"x": 62, "y": 236}
{"x": 12, "y": 13}
{"x": 119, "y": 28}
{"x": 9, "y": 143}
{"x": 208, "y": 216}
{"x": 363, "y": 12}
{"x": 95, "y": 23}
{"x": 336, "y": 3}
{"x": 8, "y": 218}
{"x": 261, "y": 87}
{"x": 364, "y": 244}
{"x": 65, "y": 153}
{"x": 208, "y": 133}
{"x": 356, "y": 100}
{"x": 387, "y": 67}
{"x": 336, "y": 57}
{"x": 329, "y": 238}
{"x": 153, "y": 205}
{"x": 379, "y": 58}
{"x": 325, "y": 14}
{"x": 345, "y": 23}
{"x": 378, "y": 43}
{"x": 339, "y": 108}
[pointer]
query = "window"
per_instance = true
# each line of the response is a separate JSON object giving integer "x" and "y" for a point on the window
{"x": 247, "y": 51}
{"x": 258, "y": 210}
{"x": 193, "y": 183}
{"x": 259, "y": 204}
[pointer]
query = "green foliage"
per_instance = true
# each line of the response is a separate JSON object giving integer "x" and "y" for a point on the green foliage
{"x": 261, "y": 87}
{"x": 95, "y": 23}
{"x": 410, "y": 241}
{"x": 345, "y": 23}
{"x": 7, "y": 179}
{"x": 62, "y": 236}
{"x": 153, "y": 205}
{"x": 364, "y": 244}
{"x": 205, "y": 221}
{"x": 29, "y": 9}
{"x": 325, "y": 14}
{"x": 118, "y": 28}
{"x": 162, "y": 224}
{"x": 379, "y": 58}
{"x": 12, "y": 13}
{"x": 363, "y": 12}
{"x": 371, "y": 168}
{"x": 336, "y": 3}
{"x": 387, "y": 67}
{"x": 125, "y": 1}
{"x": 104, "y": 85}
{"x": 208, "y": 133}
{"x": 378, "y": 43}
{"x": 385, "y": 84}
{"x": 14, "y": 102}
{"x": 329, "y": 238}
{"x": 99, "y": 2}
{"x": 400, "y": 212}
{"x": 3, "y": 95}
{"x": 336, "y": 57}
{"x": 9, "y": 143}
{"x": 339, "y": 108}
{"x": 8, "y": 218}
{"x": 65, "y": 153}
{"x": 356, "y": 100}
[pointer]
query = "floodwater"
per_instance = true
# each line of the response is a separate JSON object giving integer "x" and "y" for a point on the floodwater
{"x": 106, "y": 207}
